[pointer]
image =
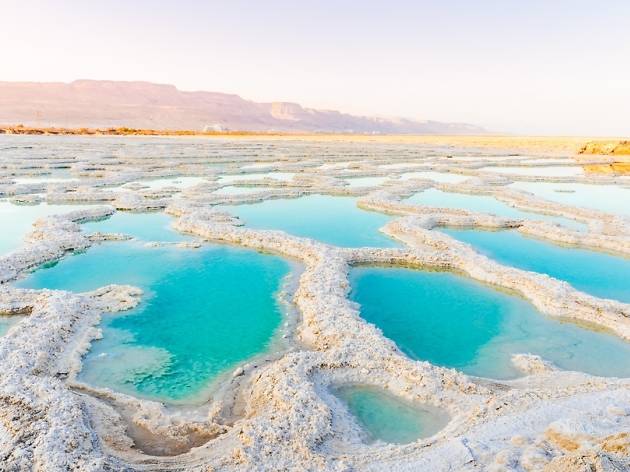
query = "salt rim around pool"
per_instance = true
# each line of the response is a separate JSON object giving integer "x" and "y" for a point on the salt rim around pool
{"x": 150, "y": 227}
{"x": 386, "y": 418}
{"x": 7, "y": 322}
{"x": 340, "y": 222}
{"x": 153, "y": 360}
{"x": 611, "y": 199}
{"x": 21, "y": 218}
{"x": 614, "y": 241}
{"x": 450, "y": 320}
{"x": 236, "y": 190}
{"x": 599, "y": 274}
{"x": 365, "y": 181}
{"x": 436, "y": 198}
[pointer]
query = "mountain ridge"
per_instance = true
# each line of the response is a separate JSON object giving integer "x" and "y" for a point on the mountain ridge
{"x": 141, "y": 104}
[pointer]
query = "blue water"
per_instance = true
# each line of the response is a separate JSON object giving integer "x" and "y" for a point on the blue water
{"x": 483, "y": 204}
{"x": 7, "y": 321}
{"x": 146, "y": 226}
{"x": 204, "y": 311}
{"x": 609, "y": 198}
{"x": 332, "y": 220}
{"x": 596, "y": 273}
{"x": 21, "y": 218}
{"x": 452, "y": 321}
{"x": 365, "y": 181}
{"x": 388, "y": 418}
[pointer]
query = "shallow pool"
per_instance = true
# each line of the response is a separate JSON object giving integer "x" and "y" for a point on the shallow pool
{"x": 484, "y": 204}
{"x": 387, "y": 418}
{"x": 453, "y": 321}
{"x": 333, "y": 220}
{"x": 7, "y": 321}
{"x": 22, "y": 217}
{"x": 204, "y": 311}
{"x": 259, "y": 165}
{"x": 365, "y": 181}
{"x": 596, "y": 273}
{"x": 155, "y": 226}
{"x": 609, "y": 198}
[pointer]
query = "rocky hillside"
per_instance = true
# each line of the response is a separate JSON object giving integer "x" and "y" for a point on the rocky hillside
{"x": 96, "y": 103}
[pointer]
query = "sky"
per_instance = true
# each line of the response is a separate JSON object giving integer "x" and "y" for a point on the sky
{"x": 555, "y": 67}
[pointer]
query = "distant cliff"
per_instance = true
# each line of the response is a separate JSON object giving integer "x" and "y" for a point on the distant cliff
{"x": 105, "y": 104}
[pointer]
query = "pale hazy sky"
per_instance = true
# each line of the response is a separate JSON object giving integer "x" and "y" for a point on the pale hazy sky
{"x": 524, "y": 66}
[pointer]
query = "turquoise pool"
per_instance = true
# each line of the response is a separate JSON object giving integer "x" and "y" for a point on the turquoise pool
{"x": 22, "y": 217}
{"x": 387, "y": 418}
{"x": 596, "y": 273}
{"x": 7, "y": 321}
{"x": 453, "y": 321}
{"x": 145, "y": 226}
{"x": 356, "y": 182}
{"x": 608, "y": 198}
{"x": 204, "y": 311}
{"x": 483, "y": 204}
{"x": 332, "y": 220}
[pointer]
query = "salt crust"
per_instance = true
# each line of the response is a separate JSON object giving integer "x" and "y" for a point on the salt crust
{"x": 280, "y": 415}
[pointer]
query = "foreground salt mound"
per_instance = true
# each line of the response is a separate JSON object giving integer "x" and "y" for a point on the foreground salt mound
{"x": 44, "y": 425}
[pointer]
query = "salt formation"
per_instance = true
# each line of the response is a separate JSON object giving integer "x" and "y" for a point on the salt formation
{"x": 278, "y": 414}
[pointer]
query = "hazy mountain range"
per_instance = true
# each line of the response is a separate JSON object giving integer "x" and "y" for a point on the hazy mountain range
{"x": 103, "y": 103}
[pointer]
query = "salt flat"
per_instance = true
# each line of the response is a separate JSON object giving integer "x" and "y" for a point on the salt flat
{"x": 192, "y": 305}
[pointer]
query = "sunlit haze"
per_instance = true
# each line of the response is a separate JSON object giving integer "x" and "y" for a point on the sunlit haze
{"x": 535, "y": 67}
